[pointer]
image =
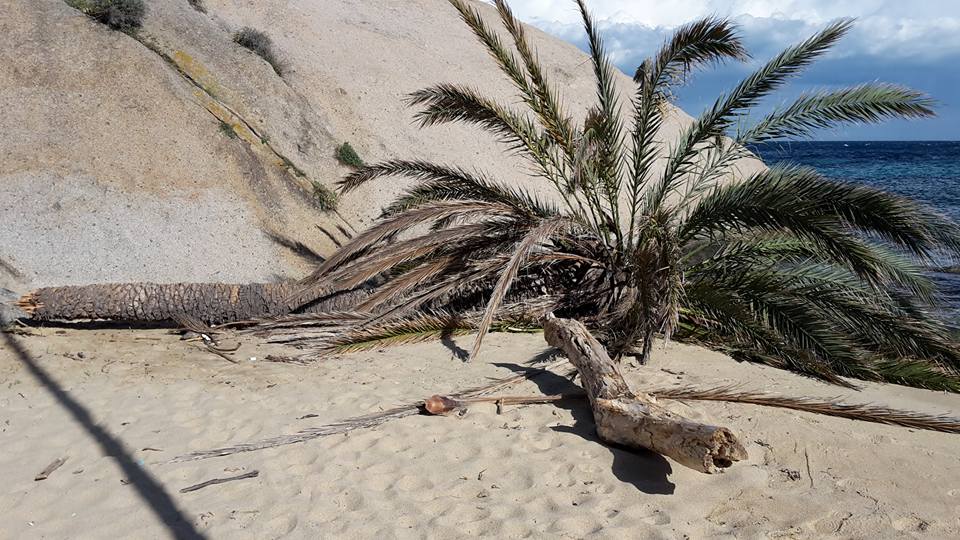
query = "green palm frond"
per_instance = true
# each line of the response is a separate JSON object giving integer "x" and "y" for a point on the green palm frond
{"x": 702, "y": 42}
{"x": 699, "y": 43}
{"x": 879, "y": 267}
{"x": 801, "y": 200}
{"x": 444, "y": 183}
{"x": 727, "y": 322}
{"x": 866, "y": 103}
{"x": 826, "y": 311}
{"x": 447, "y": 103}
{"x": 916, "y": 373}
{"x": 607, "y": 127}
{"x": 715, "y": 120}
{"x": 505, "y": 59}
{"x": 545, "y": 102}
{"x": 801, "y": 306}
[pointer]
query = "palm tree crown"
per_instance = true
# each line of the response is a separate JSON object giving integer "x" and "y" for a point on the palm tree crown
{"x": 647, "y": 237}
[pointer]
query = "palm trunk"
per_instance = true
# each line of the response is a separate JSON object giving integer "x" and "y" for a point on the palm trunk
{"x": 636, "y": 419}
{"x": 213, "y": 303}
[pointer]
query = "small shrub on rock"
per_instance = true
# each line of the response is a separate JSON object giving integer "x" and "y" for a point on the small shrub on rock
{"x": 326, "y": 199}
{"x": 227, "y": 130}
{"x": 123, "y": 15}
{"x": 261, "y": 44}
{"x": 348, "y": 156}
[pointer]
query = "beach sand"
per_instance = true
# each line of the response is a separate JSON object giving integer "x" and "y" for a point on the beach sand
{"x": 119, "y": 404}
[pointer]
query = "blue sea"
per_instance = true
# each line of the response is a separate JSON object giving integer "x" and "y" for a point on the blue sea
{"x": 927, "y": 171}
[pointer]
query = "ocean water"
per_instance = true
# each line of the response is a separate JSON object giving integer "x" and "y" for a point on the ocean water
{"x": 927, "y": 171}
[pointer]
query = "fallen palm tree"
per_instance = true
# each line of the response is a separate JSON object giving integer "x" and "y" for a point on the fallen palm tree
{"x": 212, "y": 303}
{"x": 641, "y": 238}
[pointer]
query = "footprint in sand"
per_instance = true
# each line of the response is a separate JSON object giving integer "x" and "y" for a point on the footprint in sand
{"x": 833, "y": 523}
{"x": 408, "y": 483}
{"x": 283, "y": 524}
{"x": 657, "y": 518}
{"x": 911, "y": 524}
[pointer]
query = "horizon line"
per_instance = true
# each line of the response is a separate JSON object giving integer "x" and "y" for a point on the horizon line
{"x": 801, "y": 141}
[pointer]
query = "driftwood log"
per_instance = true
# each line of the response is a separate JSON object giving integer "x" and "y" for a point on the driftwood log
{"x": 636, "y": 419}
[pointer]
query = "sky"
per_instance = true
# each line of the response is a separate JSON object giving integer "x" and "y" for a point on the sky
{"x": 910, "y": 42}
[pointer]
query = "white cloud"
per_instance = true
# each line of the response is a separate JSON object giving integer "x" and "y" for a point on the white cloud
{"x": 676, "y": 12}
{"x": 910, "y": 42}
{"x": 928, "y": 29}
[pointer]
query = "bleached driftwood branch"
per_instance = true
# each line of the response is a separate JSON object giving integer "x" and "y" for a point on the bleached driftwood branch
{"x": 636, "y": 419}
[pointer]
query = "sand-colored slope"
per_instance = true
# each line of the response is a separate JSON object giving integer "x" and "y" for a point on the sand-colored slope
{"x": 114, "y": 166}
{"x": 356, "y": 61}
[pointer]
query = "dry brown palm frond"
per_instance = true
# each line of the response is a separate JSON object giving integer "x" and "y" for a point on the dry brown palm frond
{"x": 828, "y": 407}
{"x": 335, "y": 333}
{"x": 300, "y": 320}
{"x": 476, "y": 272}
{"x": 423, "y": 327}
{"x": 193, "y": 324}
{"x": 863, "y": 413}
{"x": 457, "y": 243}
{"x": 535, "y": 237}
{"x": 386, "y": 257}
{"x": 407, "y": 282}
{"x": 387, "y": 228}
{"x": 556, "y": 257}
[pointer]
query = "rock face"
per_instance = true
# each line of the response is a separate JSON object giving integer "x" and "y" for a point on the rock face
{"x": 177, "y": 155}
{"x": 114, "y": 167}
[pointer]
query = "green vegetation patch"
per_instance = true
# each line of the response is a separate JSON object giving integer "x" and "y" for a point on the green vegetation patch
{"x": 227, "y": 130}
{"x": 261, "y": 45}
{"x": 124, "y": 15}
{"x": 348, "y": 156}
{"x": 325, "y": 199}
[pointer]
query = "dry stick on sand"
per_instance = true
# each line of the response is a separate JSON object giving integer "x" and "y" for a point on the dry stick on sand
{"x": 827, "y": 407}
{"x": 45, "y": 473}
{"x": 201, "y": 485}
{"x": 635, "y": 419}
{"x": 437, "y": 404}
{"x": 358, "y": 422}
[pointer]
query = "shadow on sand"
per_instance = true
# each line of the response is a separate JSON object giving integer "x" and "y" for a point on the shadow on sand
{"x": 152, "y": 493}
{"x": 646, "y": 470}
{"x": 458, "y": 352}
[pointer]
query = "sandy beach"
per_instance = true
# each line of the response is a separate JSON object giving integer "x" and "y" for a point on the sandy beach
{"x": 119, "y": 404}
{"x": 205, "y": 165}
